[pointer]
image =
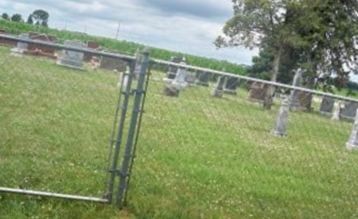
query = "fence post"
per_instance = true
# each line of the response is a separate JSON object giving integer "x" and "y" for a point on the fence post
{"x": 128, "y": 154}
{"x": 353, "y": 139}
{"x": 125, "y": 89}
{"x": 282, "y": 119}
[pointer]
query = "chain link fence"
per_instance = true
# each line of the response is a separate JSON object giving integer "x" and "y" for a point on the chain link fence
{"x": 209, "y": 147}
{"x": 207, "y": 144}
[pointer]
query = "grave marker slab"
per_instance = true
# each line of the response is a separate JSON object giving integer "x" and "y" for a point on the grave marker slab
{"x": 172, "y": 70}
{"x": 174, "y": 86}
{"x": 21, "y": 47}
{"x": 257, "y": 92}
{"x": 70, "y": 58}
{"x": 349, "y": 111}
{"x": 352, "y": 143}
{"x": 327, "y": 106}
{"x": 203, "y": 78}
{"x": 231, "y": 85}
{"x": 218, "y": 90}
{"x": 282, "y": 119}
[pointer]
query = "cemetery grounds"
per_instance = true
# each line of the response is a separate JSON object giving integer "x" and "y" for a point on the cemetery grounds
{"x": 198, "y": 156}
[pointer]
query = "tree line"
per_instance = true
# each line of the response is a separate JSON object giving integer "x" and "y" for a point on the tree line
{"x": 39, "y": 17}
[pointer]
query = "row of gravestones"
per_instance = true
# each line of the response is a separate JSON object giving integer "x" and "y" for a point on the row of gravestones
{"x": 70, "y": 58}
{"x": 301, "y": 100}
{"x": 280, "y": 129}
{"x": 178, "y": 78}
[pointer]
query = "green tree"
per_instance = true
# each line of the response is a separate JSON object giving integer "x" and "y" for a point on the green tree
{"x": 261, "y": 23}
{"x": 5, "y": 16}
{"x": 16, "y": 18}
{"x": 319, "y": 36}
{"x": 330, "y": 28}
{"x": 30, "y": 20}
{"x": 40, "y": 17}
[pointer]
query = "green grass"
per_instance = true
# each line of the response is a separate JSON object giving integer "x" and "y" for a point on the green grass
{"x": 198, "y": 156}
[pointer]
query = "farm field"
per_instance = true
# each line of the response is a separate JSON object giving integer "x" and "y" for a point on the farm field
{"x": 198, "y": 156}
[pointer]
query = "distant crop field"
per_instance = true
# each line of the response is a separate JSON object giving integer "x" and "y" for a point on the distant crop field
{"x": 198, "y": 156}
{"x": 122, "y": 46}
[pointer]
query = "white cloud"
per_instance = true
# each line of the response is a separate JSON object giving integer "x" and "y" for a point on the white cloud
{"x": 188, "y": 26}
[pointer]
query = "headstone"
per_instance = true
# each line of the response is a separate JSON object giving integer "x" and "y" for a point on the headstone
{"x": 70, "y": 58}
{"x": 352, "y": 143}
{"x": 203, "y": 78}
{"x": 327, "y": 106}
{"x": 172, "y": 70}
{"x": 349, "y": 110}
{"x": 231, "y": 85}
{"x": 294, "y": 97}
{"x": 174, "y": 86}
{"x": 190, "y": 78}
{"x": 218, "y": 90}
{"x": 257, "y": 92}
{"x": 300, "y": 100}
{"x": 282, "y": 119}
{"x": 336, "y": 111}
{"x": 21, "y": 47}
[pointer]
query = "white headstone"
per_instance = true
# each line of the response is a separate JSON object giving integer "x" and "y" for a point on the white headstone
{"x": 282, "y": 119}
{"x": 336, "y": 111}
{"x": 352, "y": 143}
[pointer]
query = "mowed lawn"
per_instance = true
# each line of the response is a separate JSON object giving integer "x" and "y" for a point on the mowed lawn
{"x": 198, "y": 156}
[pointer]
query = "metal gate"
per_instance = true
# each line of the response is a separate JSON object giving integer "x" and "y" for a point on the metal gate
{"x": 18, "y": 68}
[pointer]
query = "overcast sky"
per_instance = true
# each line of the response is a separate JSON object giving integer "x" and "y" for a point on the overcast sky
{"x": 188, "y": 26}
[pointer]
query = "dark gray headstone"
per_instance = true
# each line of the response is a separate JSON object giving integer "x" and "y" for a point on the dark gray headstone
{"x": 203, "y": 78}
{"x": 294, "y": 97}
{"x": 219, "y": 87}
{"x": 231, "y": 85}
{"x": 327, "y": 106}
{"x": 172, "y": 70}
{"x": 349, "y": 110}
{"x": 258, "y": 92}
{"x": 70, "y": 58}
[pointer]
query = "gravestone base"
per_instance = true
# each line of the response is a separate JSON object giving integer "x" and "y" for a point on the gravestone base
{"x": 17, "y": 52}
{"x": 171, "y": 91}
{"x": 70, "y": 64}
{"x": 202, "y": 84}
{"x": 217, "y": 93}
{"x": 230, "y": 92}
{"x": 352, "y": 147}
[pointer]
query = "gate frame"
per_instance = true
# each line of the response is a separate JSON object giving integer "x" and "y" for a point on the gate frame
{"x": 143, "y": 60}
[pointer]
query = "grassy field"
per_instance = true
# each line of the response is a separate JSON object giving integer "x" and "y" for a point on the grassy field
{"x": 198, "y": 156}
